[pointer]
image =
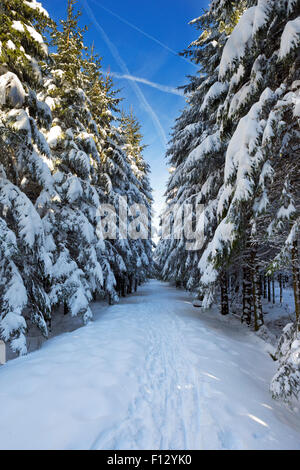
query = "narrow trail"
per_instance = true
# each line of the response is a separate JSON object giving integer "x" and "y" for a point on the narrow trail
{"x": 152, "y": 372}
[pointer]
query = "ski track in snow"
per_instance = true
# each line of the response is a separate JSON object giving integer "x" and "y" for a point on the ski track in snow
{"x": 152, "y": 372}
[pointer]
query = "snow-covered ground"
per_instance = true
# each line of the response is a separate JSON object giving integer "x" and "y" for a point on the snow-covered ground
{"x": 153, "y": 372}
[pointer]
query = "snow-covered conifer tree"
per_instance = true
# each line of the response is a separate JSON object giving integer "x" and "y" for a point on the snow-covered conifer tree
{"x": 72, "y": 223}
{"x": 26, "y": 185}
{"x": 140, "y": 194}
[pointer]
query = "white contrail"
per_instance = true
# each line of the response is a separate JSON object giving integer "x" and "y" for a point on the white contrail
{"x": 125, "y": 70}
{"x": 167, "y": 89}
{"x": 144, "y": 33}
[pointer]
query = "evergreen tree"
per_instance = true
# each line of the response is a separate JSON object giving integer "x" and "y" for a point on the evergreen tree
{"x": 245, "y": 129}
{"x": 26, "y": 185}
{"x": 141, "y": 196}
{"x": 61, "y": 159}
{"x": 77, "y": 254}
{"x": 197, "y": 153}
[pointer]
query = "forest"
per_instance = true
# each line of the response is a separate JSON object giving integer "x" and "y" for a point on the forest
{"x": 235, "y": 150}
{"x": 76, "y": 210}
{"x": 66, "y": 149}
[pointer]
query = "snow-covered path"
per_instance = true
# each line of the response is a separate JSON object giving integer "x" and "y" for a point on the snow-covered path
{"x": 150, "y": 373}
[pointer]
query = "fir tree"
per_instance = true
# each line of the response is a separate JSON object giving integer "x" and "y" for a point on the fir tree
{"x": 26, "y": 185}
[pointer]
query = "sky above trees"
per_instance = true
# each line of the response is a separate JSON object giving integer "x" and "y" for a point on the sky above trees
{"x": 143, "y": 41}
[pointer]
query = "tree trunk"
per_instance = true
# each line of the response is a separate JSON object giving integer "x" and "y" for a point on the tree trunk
{"x": 119, "y": 287}
{"x": 295, "y": 269}
{"x": 224, "y": 294}
{"x": 130, "y": 282}
{"x": 269, "y": 289}
{"x": 123, "y": 287}
{"x": 256, "y": 292}
{"x": 49, "y": 324}
{"x": 283, "y": 281}
{"x": 280, "y": 280}
{"x": 273, "y": 290}
{"x": 265, "y": 287}
{"x": 247, "y": 296}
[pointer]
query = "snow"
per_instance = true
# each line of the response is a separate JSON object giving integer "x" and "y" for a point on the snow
{"x": 37, "y": 37}
{"x": 237, "y": 76}
{"x": 297, "y": 107}
{"x": 18, "y": 26}
{"x": 15, "y": 295}
{"x": 10, "y": 45}
{"x": 19, "y": 120}
{"x": 290, "y": 37}
{"x": 213, "y": 93}
{"x": 286, "y": 212}
{"x": 35, "y": 67}
{"x": 263, "y": 9}
{"x": 240, "y": 98}
{"x": 209, "y": 144}
{"x": 14, "y": 300}
{"x": 153, "y": 372}
{"x": 37, "y": 6}
{"x": 240, "y": 37}
{"x": 224, "y": 235}
{"x": 252, "y": 20}
{"x": 27, "y": 219}
{"x": 74, "y": 191}
{"x": 242, "y": 144}
{"x": 80, "y": 160}
{"x": 54, "y": 135}
{"x": 12, "y": 92}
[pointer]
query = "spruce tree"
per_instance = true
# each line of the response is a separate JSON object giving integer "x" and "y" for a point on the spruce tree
{"x": 141, "y": 195}
{"x": 26, "y": 185}
{"x": 77, "y": 250}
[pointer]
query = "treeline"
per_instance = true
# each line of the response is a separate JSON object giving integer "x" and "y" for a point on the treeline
{"x": 65, "y": 150}
{"x": 235, "y": 149}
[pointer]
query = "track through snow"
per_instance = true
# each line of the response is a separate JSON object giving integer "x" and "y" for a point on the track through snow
{"x": 153, "y": 372}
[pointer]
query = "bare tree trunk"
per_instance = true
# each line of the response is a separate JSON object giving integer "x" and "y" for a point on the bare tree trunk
{"x": 130, "y": 283}
{"x": 256, "y": 292}
{"x": 119, "y": 281}
{"x": 280, "y": 288}
{"x": 273, "y": 290}
{"x": 295, "y": 269}
{"x": 49, "y": 324}
{"x": 247, "y": 296}
{"x": 123, "y": 287}
{"x": 269, "y": 289}
{"x": 224, "y": 294}
{"x": 265, "y": 286}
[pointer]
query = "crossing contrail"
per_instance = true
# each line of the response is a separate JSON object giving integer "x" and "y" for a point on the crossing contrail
{"x": 164, "y": 88}
{"x": 147, "y": 35}
{"x": 114, "y": 51}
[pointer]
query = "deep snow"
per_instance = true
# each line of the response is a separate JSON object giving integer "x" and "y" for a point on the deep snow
{"x": 153, "y": 372}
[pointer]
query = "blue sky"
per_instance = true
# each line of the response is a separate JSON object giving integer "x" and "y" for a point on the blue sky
{"x": 128, "y": 49}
